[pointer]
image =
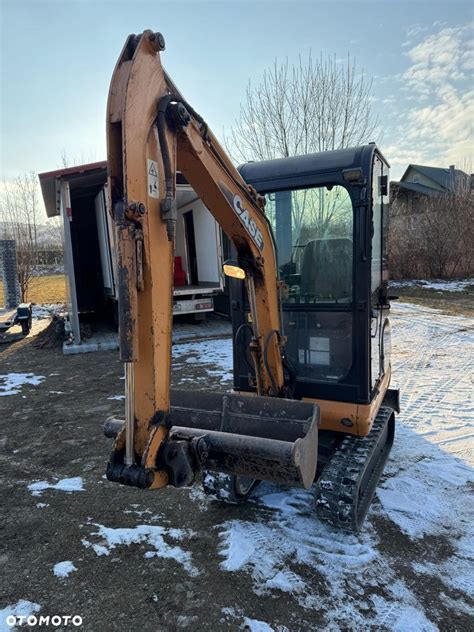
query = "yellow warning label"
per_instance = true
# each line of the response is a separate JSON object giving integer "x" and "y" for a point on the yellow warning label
{"x": 153, "y": 185}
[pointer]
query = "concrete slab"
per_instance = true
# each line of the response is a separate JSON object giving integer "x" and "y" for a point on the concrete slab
{"x": 213, "y": 327}
{"x": 98, "y": 342}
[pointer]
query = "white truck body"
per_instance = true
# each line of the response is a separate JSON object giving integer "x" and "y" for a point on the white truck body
{"x": 78, "y": 195}
{"x": 203, "y": 281}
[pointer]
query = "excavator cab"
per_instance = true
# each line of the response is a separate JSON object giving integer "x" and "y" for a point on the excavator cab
{"x": 329, "y": 215}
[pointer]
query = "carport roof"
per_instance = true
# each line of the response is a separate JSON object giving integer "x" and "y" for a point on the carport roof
{"x": 80, "y": 174}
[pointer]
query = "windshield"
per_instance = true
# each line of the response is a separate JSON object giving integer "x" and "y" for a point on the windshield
{"x": 313, "y": 231}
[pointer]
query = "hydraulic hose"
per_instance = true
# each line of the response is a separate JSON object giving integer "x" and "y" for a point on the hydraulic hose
{"x": 291, "y": 384}
{"x": 168, "y": 205}
{"x": 236, "y": 339}
{"x": 265, "y": 359}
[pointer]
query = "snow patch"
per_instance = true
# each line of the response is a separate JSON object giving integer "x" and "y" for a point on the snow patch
{"x": 456, "y": 573}
{"x": 399, "y": 617}
{"x": 253, "y": 625}
{"x": 293, "y": 536}
{"x": 98, "y": 548}
{"x": 440, "y": 285}
{"x": 430, "y": 468}
{"x": 47, "y": 310}
{"x": 63, "y": 569}
{"x": 74, "y": 484}
{"x": 237, "y": 548}
{"x": 420, "y": 498}
{"x": 215, "y": 356}
{"x": 118, "y": 397}
{"x": 22, "y": 608}
{"x": 151, "y": 535}
{"x": 12, "y": 383}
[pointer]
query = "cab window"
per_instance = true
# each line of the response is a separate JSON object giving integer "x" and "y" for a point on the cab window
{"x": 313, "y": 230}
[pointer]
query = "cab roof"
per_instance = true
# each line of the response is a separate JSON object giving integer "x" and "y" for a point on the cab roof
{"x": 309, "y": 169}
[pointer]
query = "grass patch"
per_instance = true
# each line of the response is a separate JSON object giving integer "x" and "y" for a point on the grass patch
{"x": 459, "y": 303}
{"x": 44, "y": 289}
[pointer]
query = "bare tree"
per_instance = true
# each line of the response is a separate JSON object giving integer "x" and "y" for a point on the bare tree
{"x": 447, "y": 225}
{"x": 312, "y": 106}
{"x": 438, "y": 240}
{"x": 19, "y": 208}
{"x": 68, "y": 159}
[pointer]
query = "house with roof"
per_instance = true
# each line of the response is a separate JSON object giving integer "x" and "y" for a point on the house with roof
{"x": 430, "y": 233}
{"x": 420, "y": 182}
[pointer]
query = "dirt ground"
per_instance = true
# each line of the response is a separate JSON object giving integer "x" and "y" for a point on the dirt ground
{"x": 184, "y": 569}
{"x": 447, "y": 302}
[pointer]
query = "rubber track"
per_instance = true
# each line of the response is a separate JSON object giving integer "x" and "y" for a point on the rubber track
{"x": 338, "y": 500}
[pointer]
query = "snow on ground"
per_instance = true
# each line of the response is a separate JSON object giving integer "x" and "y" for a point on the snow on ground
{"x": 152, "y": 535}
{"x": 257, "y": 626}
{"x": 424, "y": 491}
{"x": 47, "y": 310}
{"x": 11, "y": 383}
{"x": 215, "y": 355}
{"x": 442, "y": 286}
{"x": 48, "y": 270}
{"x": 354, "y": 581}
{"x": 22, "y": 608}
{"x": 74, "y": 484}
{"x": 63, "y": 569}
{"x": 252, "y": 625}
{"x": 281, "y": 548}
{"x": 212, "y": 327}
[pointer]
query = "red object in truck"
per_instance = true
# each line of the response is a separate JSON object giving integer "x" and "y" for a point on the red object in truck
{"x": 179, "y": 274}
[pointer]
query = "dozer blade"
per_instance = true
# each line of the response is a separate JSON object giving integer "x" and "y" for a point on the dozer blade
{"x": 259, "y": 437}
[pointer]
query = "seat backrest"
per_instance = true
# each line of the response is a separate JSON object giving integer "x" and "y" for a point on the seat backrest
{"x": 326, "y": 269}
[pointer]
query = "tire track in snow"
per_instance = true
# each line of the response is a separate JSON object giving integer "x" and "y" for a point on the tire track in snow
{"x": 436, "y": 390}
{"x": 432, "y": 376}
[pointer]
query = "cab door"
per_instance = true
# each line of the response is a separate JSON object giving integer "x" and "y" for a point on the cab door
{"x": 379, "y": 321}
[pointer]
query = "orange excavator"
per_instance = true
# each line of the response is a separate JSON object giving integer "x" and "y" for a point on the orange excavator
{"x": 309, "y": 303}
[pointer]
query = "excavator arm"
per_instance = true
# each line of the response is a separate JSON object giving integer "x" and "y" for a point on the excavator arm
{"x": 152, "y": 133}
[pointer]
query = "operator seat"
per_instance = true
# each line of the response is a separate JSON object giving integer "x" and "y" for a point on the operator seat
{"x": 326, "y": 270}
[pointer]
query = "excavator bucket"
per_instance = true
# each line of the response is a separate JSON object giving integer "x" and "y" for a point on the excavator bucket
{"x": 263, "y": 438}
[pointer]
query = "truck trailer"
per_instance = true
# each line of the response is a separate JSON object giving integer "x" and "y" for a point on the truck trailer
{"x": 78, "y": 196}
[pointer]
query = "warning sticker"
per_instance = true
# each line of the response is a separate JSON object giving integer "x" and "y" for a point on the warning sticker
{"x": 153, "y": 190}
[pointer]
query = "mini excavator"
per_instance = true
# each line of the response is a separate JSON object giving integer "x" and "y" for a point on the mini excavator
{"x": 311, "y": 404}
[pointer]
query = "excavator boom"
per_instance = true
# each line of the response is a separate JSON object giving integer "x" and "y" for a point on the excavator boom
{"x": 152, "y": 133}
